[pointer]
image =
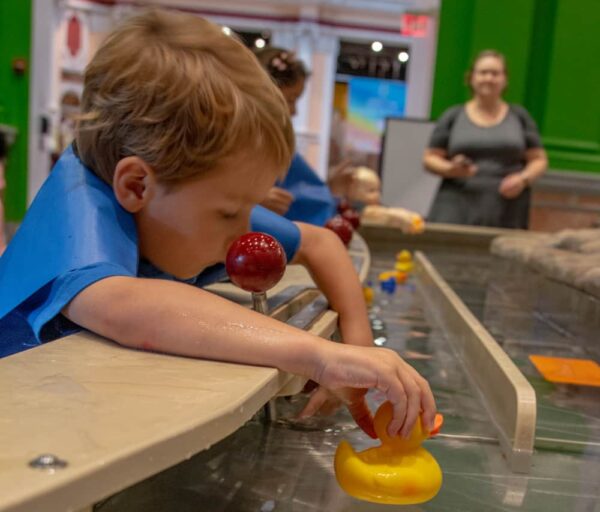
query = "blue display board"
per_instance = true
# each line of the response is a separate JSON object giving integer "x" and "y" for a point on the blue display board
{"x": 370, "y": 102}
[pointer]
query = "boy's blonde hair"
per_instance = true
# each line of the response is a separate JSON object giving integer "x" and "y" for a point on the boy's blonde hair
{"x": 177, "y": 92}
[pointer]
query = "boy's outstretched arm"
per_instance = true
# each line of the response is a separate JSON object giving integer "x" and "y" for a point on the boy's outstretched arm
{"x": 176, "y": 318}
{"x": 330, "y": 266}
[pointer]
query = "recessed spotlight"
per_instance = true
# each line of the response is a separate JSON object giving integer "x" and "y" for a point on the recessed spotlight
{"x": 403, "y": 56}
{"x": 376, "y": 46}
{"x": 260, "y": 43}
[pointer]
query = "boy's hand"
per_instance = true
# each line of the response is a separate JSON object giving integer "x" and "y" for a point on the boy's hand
{"x": 278, "y": 200}
{"x": 363, "y": 368}
{"x": 322, "y": 401}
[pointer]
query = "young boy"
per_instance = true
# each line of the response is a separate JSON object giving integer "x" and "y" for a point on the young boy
{"x": 181, "y": 135}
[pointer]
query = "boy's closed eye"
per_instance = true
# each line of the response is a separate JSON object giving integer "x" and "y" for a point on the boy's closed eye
{"x": 229, "y": 215}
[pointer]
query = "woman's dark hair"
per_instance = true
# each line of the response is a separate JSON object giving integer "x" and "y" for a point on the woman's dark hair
{"x": 482, "y": 55}
{"x": 282, "y": 65}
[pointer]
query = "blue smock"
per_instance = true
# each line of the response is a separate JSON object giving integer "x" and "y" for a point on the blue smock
{"x": 74, "y": 234}
{"x": 313, "y": 202}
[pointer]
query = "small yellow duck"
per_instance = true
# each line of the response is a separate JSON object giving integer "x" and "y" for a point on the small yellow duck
{"x": 369, "y": 295}
{"x": 404, "y": 261}
{"x": 399, "y": 472}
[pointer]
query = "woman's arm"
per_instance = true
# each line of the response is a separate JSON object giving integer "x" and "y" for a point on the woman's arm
{"x": 536, "y": 166}
{"x": 436, "y": 161}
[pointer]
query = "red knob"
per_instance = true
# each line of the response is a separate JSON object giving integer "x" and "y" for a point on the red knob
{"x": 352, "y": 216}
{"x": 343, "y": 205}
{"x": 341, "y": 227}
{"x": 255, "y": 262}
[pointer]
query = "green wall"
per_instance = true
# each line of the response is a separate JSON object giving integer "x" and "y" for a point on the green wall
{"x": 553, "y": 49}
{"x": 15, "y": 42}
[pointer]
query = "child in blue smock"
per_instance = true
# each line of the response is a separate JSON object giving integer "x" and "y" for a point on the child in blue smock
{"x": 181, "y": 135}
{"x": 302, "y": 195}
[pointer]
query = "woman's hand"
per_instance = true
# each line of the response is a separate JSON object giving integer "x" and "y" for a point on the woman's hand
{"x": 512, "y": 185}
{"x": 460, "y": 167}
{"x": 278, "y": 200}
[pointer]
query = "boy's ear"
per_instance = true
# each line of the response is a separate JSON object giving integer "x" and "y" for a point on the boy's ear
{"x": 134, "y": 183}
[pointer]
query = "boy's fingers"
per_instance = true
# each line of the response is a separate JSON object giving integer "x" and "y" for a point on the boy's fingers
{"x": 280, "y": 209}
{"x": 316, "y": 400}
{"x": 284, "y": 205}
{"x": 413, "y": 407}
{"x": 330, "y": 405}
{"x": 284, "y": 195}
{"x": 362, "y": 416}
{"x": 398, "y": 399}
{"x": 427, "y": 403}
{"x": 398, "y": 418}
{"x": 282, "y": 201}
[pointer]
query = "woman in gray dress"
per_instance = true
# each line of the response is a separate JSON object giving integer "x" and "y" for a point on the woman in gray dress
{"x": 487, "y": 152}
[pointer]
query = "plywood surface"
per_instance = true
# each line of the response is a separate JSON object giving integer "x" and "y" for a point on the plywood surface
{"x": 113, "y": 414}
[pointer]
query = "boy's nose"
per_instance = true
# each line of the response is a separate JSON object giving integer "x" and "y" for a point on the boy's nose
{"x": 242, "y": 228}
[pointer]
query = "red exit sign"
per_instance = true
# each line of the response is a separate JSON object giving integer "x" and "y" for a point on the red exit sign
{"x": 414, "y": 25}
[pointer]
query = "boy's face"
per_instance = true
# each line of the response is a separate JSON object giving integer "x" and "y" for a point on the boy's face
{"x": 188, "y": 227}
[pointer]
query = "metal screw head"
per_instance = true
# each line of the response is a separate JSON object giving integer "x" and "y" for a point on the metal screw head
{"x": 48, "y": 461}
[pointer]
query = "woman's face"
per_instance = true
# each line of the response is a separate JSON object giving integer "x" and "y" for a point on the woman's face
{"x": 292, "y": 93}
{"x": 489, "y": 77}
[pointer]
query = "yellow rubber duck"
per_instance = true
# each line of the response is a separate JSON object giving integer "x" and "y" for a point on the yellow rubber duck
{"x": 418, "y": 224}
{"x": 404, "y": 261}
{"x": 369, "y": 295}
{"x": 399, "y": 472}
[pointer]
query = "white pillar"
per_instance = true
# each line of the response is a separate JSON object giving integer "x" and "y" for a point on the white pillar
{"x": 43, "y": 89}
{"x": 325, "y": 59}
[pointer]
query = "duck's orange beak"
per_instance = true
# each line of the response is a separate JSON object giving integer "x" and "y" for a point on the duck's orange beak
{"x": 437, "y": 425}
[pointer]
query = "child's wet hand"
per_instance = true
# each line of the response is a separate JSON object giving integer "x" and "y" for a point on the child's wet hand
{"x": 324, "y": 401}
{"x": 363, "y": 368}
{"x": 357, "y": 405}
